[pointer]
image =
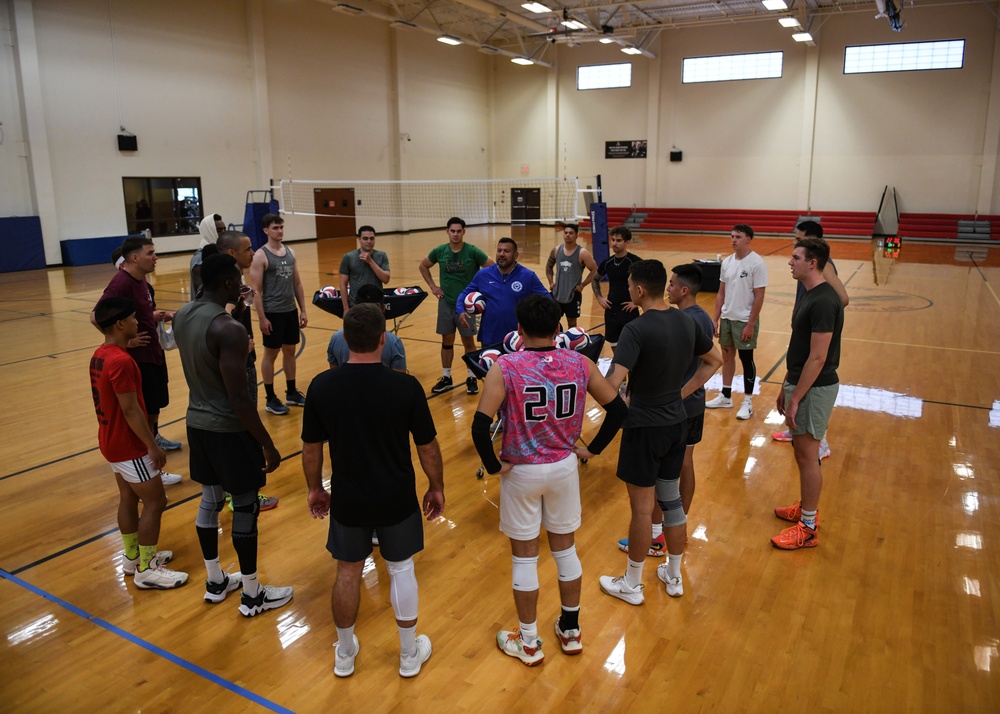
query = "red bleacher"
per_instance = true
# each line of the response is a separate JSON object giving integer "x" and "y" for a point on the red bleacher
{"x": 835, "y": 223}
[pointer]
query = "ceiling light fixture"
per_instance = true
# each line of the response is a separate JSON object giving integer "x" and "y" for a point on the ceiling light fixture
{"x": 449, "y": 40}
{"x": 631, "y": 50}
{"x": 535, "y": 7}
{"x": 605, "y": 40}
{"x": 574, "y": 24}
{"x": 789, "y": 22}
{"x": 403, "y": 25}
{"x": 521, "y": 60}
{"x": 348, "y": 9}
{"x": 775, "y": 4}
{"x": 802, "y": 37}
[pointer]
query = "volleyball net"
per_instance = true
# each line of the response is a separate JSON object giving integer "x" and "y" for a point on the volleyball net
{"x": 542, "y": 200}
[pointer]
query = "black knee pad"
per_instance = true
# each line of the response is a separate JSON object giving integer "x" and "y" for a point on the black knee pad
{"x": 245, "y": 515}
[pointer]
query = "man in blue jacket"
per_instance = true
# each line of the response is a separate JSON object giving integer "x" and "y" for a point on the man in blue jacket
{"x": 504, "y": 284}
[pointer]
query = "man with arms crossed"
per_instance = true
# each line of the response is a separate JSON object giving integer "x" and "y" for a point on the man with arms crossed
{"x": 810, "y": 386}
{"x": 541, "y": 393}
{"x": 815, "y": 230}
{"x": 459, "y": 261}
{"x": 362, "y": 266}
{"x": 372, "y": 488}
{"x": 742, "y": 281}
{"x": 230, "y": 448}
{"x": 654, "y": 353}
{"x": 274, "y": 275}
{"x": 128, "y": 444}
{"x": 567, "y": 283}
{"x": 618, "y": 307}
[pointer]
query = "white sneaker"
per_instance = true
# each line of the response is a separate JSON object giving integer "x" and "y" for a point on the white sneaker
{"x": 216, "y": 592}
{"x": 344, "y": 664}
{"x": 409, "y": 665}
{"x": 746, "y": 410}
{"x": 720, "y": 402}
{"x": 156, "y": 577}
{"x": 675, "y": 586}
{"x": 619, "y": 588}
{"x": 129, "y": 566}
{"x": 268, "y": 597}
{"x": 824, "y": 450}
{"x": 169, "y": 479}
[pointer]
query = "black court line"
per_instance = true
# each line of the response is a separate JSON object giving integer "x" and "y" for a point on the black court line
{"x": 48, "y": 356}
{"x": 781, "y": 361}
{"x": 980, "y": 270}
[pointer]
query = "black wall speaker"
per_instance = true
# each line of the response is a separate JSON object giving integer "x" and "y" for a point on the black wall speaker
{"x": 128, "y": 142}
{"x": 676, "y": 156}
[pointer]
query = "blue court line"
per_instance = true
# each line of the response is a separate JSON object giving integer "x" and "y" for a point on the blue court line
{"x": 191, "y": 667}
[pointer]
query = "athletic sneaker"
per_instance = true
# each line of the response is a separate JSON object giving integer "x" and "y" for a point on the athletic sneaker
{"x": 510, "y": 643}
{"x": 798, "y": 536}
{"x": 295, "y": 399}
{"x": 471, "y": 386}
{"x": 720, "y": 402}
{"x": 782, "y": 435}
{"x": 157, "y": 577}
{"x": 216, "y": 592}
{"x": 657, "y": 549}
{"x": 791, "y": 513}
{"x": 619, "y": 588}
{"x": 409, "y": 665}
{"x": 269, "y": 598}
{"x": 274, "y": 405}
{"x": 129, "y": 566}
{"x": 746, "y": 410}
{"x": 569, "y": 641}
{"x": 675, "y": 586}
{"x": 267, "y": 503}
{"x": 167, "y": 444}
{"x": 170, "y": 479}
{"x": 824, "y": 450}
{"x": 343, "y": 665}
{"x": 443, "y": 385}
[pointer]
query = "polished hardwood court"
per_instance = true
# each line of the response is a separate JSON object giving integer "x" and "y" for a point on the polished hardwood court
{"x": 897, "y": 609}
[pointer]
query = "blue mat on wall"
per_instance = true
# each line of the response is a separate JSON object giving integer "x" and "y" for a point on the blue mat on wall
{"x": 22, "y": 238}
{"x": 89, "y": 251}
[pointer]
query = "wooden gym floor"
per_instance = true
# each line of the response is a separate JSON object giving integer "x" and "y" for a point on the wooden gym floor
{"x": 897, "y": 609}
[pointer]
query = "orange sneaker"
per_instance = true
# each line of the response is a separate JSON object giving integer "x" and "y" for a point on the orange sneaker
{"x": 798, "y": 536}
{"x": 791, "y": 513}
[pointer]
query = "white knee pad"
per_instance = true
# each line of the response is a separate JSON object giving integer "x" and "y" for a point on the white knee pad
{"x": 668, "y": 495}
{"x": 403, "y": 588}
{"x": 524, "y": 574}
{"x": 568, "y": 564}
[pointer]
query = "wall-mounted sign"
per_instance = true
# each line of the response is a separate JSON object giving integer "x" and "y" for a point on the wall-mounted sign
{"x": 625, "y": 149}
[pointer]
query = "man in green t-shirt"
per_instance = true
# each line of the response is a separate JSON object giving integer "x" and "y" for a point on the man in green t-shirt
{"x": 459, "y": 263}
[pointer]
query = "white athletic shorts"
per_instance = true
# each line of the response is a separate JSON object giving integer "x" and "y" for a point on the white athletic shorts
{"x": 135, "y": 470}
{"x": 535, "y": 496}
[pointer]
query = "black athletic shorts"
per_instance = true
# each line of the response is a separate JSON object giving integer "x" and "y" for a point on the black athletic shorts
{"x": 696, "y": 425}
{"x": 284, "y": 329}
{"x": 649, "y": 453}
{"x": 571, "y": 308}
{"x": 232, "y": 459}
{"x": 614, "y": 321}
{"x": 155, "y": 391}
{"x": 396, "y": 543}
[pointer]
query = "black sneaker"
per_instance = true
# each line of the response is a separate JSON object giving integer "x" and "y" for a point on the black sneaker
{"x": 274, "y": 405}
{"x": 216, "y": 592}
{"x": 268, "y": 598}
{"x": 443, "y": 385}
{"x": 295, "y": 399}
{"x": 472, "y": 385}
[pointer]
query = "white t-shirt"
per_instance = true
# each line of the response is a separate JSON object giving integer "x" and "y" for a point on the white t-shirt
{"x": 741, "y": 277}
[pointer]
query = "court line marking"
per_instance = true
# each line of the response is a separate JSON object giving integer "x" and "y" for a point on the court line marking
{"x": 983, "y": 276}
{"x": 148, "y": 646}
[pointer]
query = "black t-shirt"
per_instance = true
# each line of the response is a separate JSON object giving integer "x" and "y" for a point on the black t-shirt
{"x": 617, "y": 271}
{"x": 657, "y": 348}
{"x": 367, "y": 412}
{"x": 820, "y": 310}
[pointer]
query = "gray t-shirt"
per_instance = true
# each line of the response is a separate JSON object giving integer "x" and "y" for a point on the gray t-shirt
{"x": 657, "y": 348}
{"x": 359, "y": 273}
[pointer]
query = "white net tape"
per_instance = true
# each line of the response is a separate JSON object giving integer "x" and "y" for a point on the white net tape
{"x": 475, "y": 201}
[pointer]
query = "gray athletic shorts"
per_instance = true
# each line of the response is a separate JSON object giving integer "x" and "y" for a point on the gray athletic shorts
{"x": 815, "y": 409}
{"x": 448, "y": 321}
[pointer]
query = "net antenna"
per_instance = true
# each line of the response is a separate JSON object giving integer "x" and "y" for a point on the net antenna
{"x": 434, "y": 202}
{"x": 885, "y": 240}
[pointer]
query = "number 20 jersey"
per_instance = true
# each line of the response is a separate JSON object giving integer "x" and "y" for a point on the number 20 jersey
{"x": 546, "y": 398}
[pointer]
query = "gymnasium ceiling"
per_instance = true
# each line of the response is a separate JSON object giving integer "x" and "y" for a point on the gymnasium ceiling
{"x": 505, "y": 27}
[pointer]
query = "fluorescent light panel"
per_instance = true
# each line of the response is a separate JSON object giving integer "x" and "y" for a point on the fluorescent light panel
{"x": 631, "y": 51}
{"x": 605, "y": 40}
{"x": 535, "y": 7}
{"x": 521, "y": 60}
{"x": 775, "y": 4}
{"x": 802, "y": 37}
{"x": 789, "y": 22}
{"x": 449, "y": 40}
{"x": 574, "y": 24}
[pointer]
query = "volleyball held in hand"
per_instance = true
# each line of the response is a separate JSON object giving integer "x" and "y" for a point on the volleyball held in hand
{"x": 475, "y": 303}
{"x": 488, "y": 357}
{"x": 330, "y": 292}
{"x": 512, "y": 342}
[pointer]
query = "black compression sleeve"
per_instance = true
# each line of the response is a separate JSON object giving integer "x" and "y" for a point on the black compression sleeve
{"x": 615, "y": 413}
{"x": 484, "y": 444}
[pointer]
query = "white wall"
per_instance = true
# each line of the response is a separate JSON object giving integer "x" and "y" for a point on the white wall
{"x": 15, "y": 191}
